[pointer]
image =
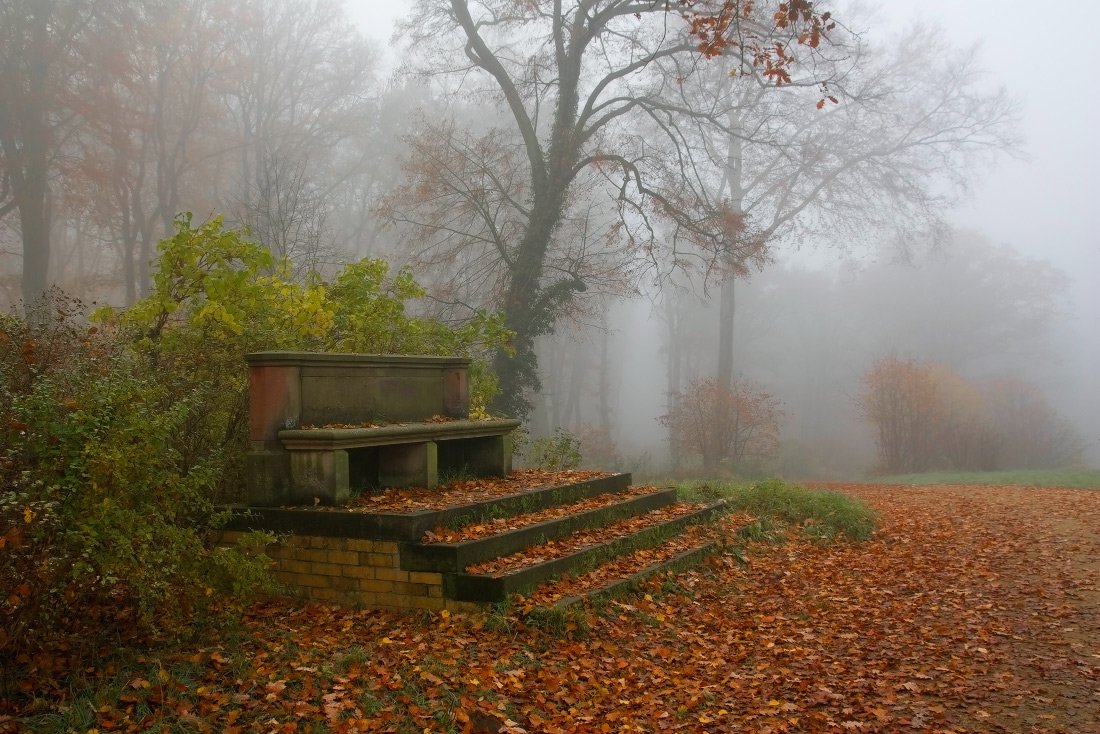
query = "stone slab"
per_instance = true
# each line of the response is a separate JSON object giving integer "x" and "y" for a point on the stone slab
{"x": 411, "y": 526}
{"x": 454, "y": 557}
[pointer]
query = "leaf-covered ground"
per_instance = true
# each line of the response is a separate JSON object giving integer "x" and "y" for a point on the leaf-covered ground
{"x": 973, "y": 609}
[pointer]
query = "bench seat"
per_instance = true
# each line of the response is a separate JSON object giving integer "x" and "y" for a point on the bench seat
{"x": 325, "y": 463}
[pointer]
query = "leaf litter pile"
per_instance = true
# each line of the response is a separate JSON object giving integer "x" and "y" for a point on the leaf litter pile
{"x": 468, "y": 491}
{"x": 973, "y": 609}
{"x": 696, "y": 536}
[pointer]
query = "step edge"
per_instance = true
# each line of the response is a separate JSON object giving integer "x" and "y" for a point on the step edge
{"x": 465, "y": 553}
{"x": 412, "y": 525}
{"x": 677, "y": 563}
{"x": 505, "y": 584}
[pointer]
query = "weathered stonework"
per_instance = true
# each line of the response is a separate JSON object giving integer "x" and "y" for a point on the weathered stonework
{"x": 323, "y": 425}
{"x": 354, "y": 571}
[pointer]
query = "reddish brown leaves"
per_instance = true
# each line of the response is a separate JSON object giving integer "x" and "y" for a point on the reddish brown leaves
{"x": 717, "y": 422}
{"x": 465, "y": 492}
{"x": 582, "y": 539}
{"x": 504, "y": 524}
{"x": 735, "y": 27}
{"x": 973, "y": 609}
{"x": 924, "y": 414}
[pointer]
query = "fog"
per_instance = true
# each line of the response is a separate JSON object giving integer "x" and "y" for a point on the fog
{"x": 801, "y": 228}
{"x": 809, "y": 334}
{"x": 1036, "y": 202}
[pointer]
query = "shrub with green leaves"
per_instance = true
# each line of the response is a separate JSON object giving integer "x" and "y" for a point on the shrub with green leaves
{"x": 217, "y": 296}
{"x": 777, "y": 505}
{"x": 554, "y": 453}
{"x": 99, "y": 517}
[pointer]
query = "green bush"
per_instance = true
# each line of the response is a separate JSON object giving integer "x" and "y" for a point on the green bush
{"x": 217, "y": 296}
{"x": 554, "y": 453}
{"x": 98, "y": 514}
{"x": 777, "y": 505}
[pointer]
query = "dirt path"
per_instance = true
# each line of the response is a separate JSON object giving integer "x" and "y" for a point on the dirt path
{"x": 1029, "y": 562}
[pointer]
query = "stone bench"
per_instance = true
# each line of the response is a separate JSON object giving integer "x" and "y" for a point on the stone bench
{"x": 305, "y": 408}
{"x": 324, "y": 460}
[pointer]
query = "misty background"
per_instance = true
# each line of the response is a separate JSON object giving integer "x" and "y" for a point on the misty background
{"x": 324, "y": 128}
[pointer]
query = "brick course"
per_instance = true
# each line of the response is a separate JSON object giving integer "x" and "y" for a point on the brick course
{"x": 354, "y": 571}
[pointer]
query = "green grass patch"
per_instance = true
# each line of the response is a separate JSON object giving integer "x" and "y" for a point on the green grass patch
{"x": 822, "y": 515}
{"x": 1075, "y": 478}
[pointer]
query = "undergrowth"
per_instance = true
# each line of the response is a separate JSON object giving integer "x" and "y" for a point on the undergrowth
{"x": 122, "y": 436}
{"x": 779, "y": 506}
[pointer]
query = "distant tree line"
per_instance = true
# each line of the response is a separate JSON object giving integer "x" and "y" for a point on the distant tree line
{"x": 926, "y": 416}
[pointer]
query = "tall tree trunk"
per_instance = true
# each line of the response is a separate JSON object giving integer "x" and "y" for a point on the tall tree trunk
{"x": 572, "y": 417}
{"x": 29, "y": 174}
{"x": 605, "y": 376}
{"x": 529, "y": 305}
{"x": 34, "y": 221}
{"x": 673, "y": 369}
{"x": 554, "y": 363}
{"x": 726, "y": 311}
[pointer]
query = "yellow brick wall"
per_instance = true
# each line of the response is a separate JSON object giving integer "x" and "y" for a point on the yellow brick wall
{"x": 354, "y": 571}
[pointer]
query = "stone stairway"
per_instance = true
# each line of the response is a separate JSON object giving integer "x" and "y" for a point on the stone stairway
{"x": 557, "y": 543}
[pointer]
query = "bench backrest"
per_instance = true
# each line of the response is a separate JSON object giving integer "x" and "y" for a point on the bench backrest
{"x": 292, "y": 389}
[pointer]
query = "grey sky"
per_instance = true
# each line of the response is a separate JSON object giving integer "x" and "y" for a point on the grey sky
{"x": 1045, "y": 205}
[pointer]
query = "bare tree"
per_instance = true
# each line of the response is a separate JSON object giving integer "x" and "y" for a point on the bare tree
{"x": 154, "y": 153}
{"x": 902, "y": 402}
{"x": 299, "y": 86}
{"x": 287, "y": 212}
{"x": 912, "y": 123}
{"x": 573, "y": 81}
{"x": 1032, "y": 434}
{"x": 117, "y": 115}
{"x": 718, "y": 422}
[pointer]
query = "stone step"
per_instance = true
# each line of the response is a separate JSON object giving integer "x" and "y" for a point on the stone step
{"x": 625, "y": 574}
{"x": 678, "y": 562}
{"x": 496, "y": 587}
{"x": 455, "y": 557}
{"x": 360, "y": 523}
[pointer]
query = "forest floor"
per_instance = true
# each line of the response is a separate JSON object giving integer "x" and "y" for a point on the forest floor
{"x": 972, "y": 609}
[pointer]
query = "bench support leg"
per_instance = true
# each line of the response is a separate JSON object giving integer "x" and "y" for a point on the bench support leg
{"x": 490, "y": 456}
{"x": 319, "y": 477}
{"x": 408, "y": 465}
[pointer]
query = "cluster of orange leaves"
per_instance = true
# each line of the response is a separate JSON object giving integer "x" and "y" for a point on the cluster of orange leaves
{"x": 972, "y": 609}
{"x": 497, "y": 525}
{"x": 926, "y": 416}
{"x": 732, "y": 27}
